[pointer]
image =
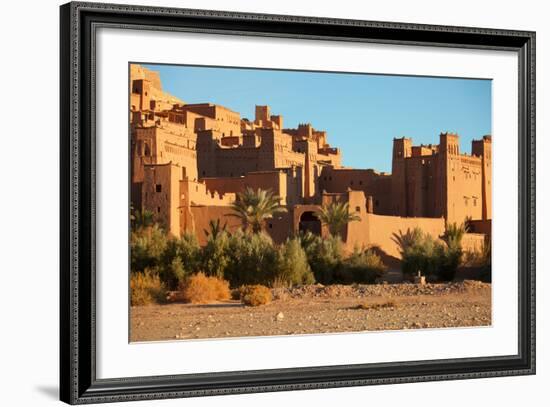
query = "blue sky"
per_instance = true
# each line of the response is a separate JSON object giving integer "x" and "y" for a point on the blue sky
{"x": 362, "y": 113}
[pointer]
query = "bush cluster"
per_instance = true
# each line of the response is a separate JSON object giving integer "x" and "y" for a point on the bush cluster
{"x": 241, "y": 258}
{"x": 201, "y": 289}
{"x": 146, "y": 288}
{"x": 255, "y": 295}
{"x": 439, "y": 258}
{"x": 248, "y": 259}
{"x": 330, "y": 265}
{"x": 363, "y": 267}
{"x": 173, "y": 258}
{"x": 480, "y": 260}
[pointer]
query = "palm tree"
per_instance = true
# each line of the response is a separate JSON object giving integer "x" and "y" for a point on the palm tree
{"x": 254, "y": 207}
{"x": 336, "y": 215}
{"x": 453, "y": 235}
{"x": 406, "y": 241}
{"x": 141, "y": 219}
{"x": 216, "y": 229}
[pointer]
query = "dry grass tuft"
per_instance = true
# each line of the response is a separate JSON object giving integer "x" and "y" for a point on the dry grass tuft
{"x": 255, "y": 295}
{"x": 146, "y": 288}
{"x": 377, "y": 305}
{"x": 201, "y": 289}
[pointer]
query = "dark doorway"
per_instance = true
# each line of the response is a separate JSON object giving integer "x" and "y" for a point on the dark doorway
{"x": 309, "y": 222}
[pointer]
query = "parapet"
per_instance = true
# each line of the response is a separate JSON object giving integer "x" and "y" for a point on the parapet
{"x": 199, "y": 195}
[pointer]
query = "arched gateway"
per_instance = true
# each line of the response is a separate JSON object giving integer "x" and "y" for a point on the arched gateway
{"x": 309, "y": 222}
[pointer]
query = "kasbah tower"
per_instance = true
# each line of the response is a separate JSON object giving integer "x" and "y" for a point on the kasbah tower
{"x": 188, "y": 162}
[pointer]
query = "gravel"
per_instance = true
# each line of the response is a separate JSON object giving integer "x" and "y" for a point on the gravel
{"x": 317, "y": 309}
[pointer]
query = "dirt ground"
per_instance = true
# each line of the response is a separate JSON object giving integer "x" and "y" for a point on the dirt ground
{"x": 319, "y": 309}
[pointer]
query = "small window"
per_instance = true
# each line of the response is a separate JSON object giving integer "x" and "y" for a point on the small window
{"x": 158, "y": 188}
{"x": 271, "y": 226}
{"x": 158, "y": 209}
{"x": 357, "y": 209}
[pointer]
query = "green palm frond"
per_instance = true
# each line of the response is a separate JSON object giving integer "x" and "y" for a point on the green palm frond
{"x": 335, "y": 216}
{"x": 255, "y": 207}
{"x": 216, "y": 229}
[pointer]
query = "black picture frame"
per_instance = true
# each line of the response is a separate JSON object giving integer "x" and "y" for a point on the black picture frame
{"x": 78, "y": 382}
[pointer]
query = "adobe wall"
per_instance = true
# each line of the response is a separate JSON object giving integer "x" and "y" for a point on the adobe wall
{"x": 236, "y": 162}
{"x": 330, "y": 156}
{"x": 196, "y": 193}
{"x": 216, "y": 117}
{"x": 160, "y": 195}
{"x": 143, "y": 145}
{"x": 280, "y": 226}
{"x": 473, "y": 242}
{"x": 138, "y": 72}
{"x": 402, "y": 149}
{"x": 421, "y": 186}
{"x": 378, "y": 230}
{"x": 483, "y": 148}
{"x": 195, "y": 219}
{"x": 211, "y": 142}
{"x": 372, "y": 183}
{"x": 135, "y": 101}
{"x": 276, "y": 181}
{"x": 177, "y": 144}
{"x": 161, "y": 145}
{"x": 481, "y": 226}
{"x": 465, "y": 189}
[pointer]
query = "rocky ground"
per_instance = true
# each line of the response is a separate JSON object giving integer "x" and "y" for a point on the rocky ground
{"x": 320, "y": 309}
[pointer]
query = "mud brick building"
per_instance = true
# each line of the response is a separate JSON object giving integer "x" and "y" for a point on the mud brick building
{"x": 188, "y": 162}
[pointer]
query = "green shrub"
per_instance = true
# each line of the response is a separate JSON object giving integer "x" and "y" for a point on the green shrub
{"x": 215, "y": 255}
{"x": 432, "y": 257}
{"x": 485, "y": 273}
{"x": 147, "y": 245}
{"x": 452, "y": 254}
{"x": 481, "y": 260}
{"x": 255, "y": 295}
{"x": 180, "y": 257}
{"x": 200, "y": 289}
{"x": 252, "y": 259}
{"x": 419, "y": 252}
{"x": 362, "y": 267}
{"x": 146, "y": 288}
{"x": 325, "y": 256}
{"x": 292, "y": 267}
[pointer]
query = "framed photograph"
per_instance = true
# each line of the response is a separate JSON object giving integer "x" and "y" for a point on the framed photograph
{"x": 256, "y": 203}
